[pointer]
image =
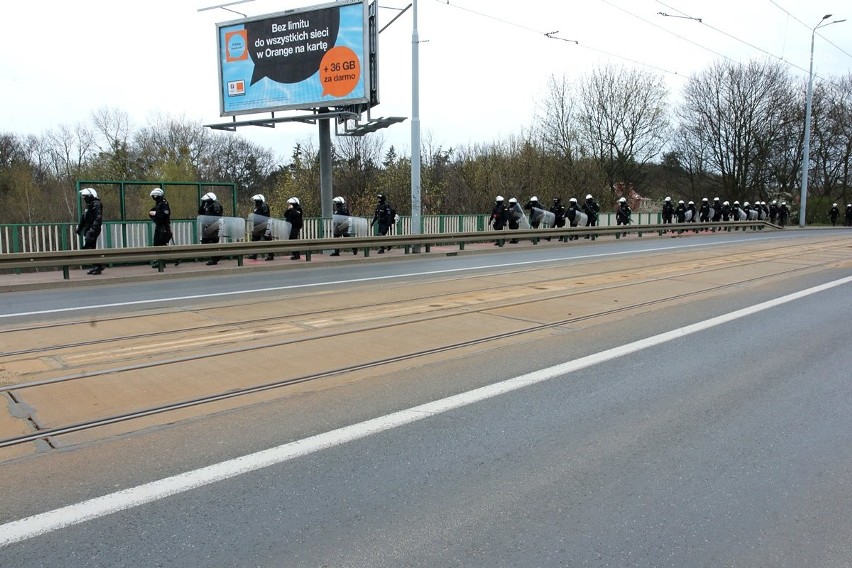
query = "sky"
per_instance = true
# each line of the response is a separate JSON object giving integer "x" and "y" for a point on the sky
{"x": 484, "y": 64}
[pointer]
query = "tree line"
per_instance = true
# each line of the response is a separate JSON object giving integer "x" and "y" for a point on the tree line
{"x": 736, "y": 133}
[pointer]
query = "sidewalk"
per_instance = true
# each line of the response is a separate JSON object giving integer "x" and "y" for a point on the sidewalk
{"x": 192, "y": 268}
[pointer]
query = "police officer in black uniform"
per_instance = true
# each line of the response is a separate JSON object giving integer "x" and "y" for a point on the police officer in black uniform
{"x": 383, "y": 215}
{"x": 535, "y": 217}
{"x": 212, "y": 211}
{"x": 260, "y": 230}
{"x": 558, "y": 211}
{"x": 294, "y": 216}
{"x": 161, "y": 215}
{"x": 341, "y": 228}
{"x": 591, "y": 209}
{"x": 622, "y": 214}
{"x": 90, "y": 224}
{"x": 833, "y": 214}
{"x": 668, "y": 210}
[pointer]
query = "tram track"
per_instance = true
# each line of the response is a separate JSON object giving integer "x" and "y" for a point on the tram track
{"x": 778, "y": 253}
{"x": 48, "y": 433}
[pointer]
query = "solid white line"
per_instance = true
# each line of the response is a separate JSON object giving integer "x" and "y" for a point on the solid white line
{"x": 30, "y": 527}
{"x": 359, "y": 280}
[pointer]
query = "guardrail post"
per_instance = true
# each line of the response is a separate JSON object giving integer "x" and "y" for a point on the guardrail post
{"x": 65, "y": 273}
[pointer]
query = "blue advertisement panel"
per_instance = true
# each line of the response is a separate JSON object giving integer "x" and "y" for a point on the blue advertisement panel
{"x": 299, "y": 59}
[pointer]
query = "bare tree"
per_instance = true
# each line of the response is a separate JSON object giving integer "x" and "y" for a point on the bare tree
{"x": 623, "y": 120}
{"x": 733, "y": 117}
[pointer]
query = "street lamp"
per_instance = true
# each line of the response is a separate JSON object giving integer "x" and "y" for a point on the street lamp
{"x": 803, "y": 201}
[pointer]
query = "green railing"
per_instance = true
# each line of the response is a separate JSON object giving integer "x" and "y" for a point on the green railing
{"x": 52, "y": 237}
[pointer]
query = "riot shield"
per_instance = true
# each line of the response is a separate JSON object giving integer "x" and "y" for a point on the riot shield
{"x": 518, "y": 215}
{"x": 687, "y": 216}
{"x": 348, "y": 226}
{"x": 259, "y": 225}
{"x": 279, "y": 229}
{"x": 543, "y": 217}
{"x": 208, "y": 227}
{"x": 233, "y": 229}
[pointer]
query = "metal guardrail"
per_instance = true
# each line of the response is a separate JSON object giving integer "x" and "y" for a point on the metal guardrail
{"x": 411, "y": 243}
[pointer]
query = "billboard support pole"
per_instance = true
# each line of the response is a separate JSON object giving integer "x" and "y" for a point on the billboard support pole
{"x": 326, "y": 187}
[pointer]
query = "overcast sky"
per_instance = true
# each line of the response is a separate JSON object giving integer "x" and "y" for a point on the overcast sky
{"x": 484, "y": 63}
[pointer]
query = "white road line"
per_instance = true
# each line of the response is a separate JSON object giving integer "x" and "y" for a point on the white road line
{"x": 357, "y": 280}
{"x": 36, "y": 525}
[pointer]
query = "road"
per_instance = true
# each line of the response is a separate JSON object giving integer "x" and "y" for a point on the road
{"x": 666, "y": 402}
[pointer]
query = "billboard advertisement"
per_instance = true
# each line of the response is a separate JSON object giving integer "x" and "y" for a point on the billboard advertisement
{"x": 299, "y": 59}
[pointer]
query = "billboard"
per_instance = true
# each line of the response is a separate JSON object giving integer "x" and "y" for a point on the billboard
{"x": 307, "y": 58}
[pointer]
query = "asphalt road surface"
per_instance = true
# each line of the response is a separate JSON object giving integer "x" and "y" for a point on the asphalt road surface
{"x": 682, "y": 402}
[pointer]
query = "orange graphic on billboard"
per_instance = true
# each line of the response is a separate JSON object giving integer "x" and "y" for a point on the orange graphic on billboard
{"x": 236, "y": 46}
{"x": 340, "y": 71}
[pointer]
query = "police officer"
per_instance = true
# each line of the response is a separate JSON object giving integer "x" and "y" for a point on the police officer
{"x": 515, "y": 213}
{"x": 773, "y": 211}
{"x": 260, "y": 230}
{"x": 591, "y": 209}
{"x": 622, "y": 214}
{"x": 848, "y": 215}
{"x": 340, "y": 227}
{"x": 90, "y": 224}
{"x": 499, "y": 217}
{"x": 717, "y": 211}
{"x": 668, "y": 210}
{"x": 704, "y": 210}
{"x": 211, "y": 211}
{"x": 535, "y": 217}
{"x": 572, "y": 213}
{"x": 680, "y": 212}
{"x": 833, "y": 214}
{"x": 558, "y": 211}
{"x": 294, "y": 216}
{"x": 694, "y": 213}
{"x": 783, "y": 214}
{"x": 383, "y": 215}
{"x": 161, "y": 215}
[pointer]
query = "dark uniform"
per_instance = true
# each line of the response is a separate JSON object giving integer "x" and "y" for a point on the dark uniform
{"x": 260, "y": 230}
{"x": 773, "y": 211}
{"x": 161, "y": 215}
{"x": 558, "y": 211}
{"x": 384, "y": 217}
{"x": 680, "y": 212}
{"x": 294, "y": 216}
{"x": 90, "y": 224}
{"x": 342, "y": 228}
{"x": 849, "y": 214}
{"x": 591, "y": 209}
{"x": 833, "y": 214}
{"x": 622, "y": 214}
{"x": 783, "y": 214}
{"x": 499, "y": 217}
{"x": 535, "y": 220}
{"x": 212, "y": 211}
{"x": 717, "y": 210}
{"x": 704, "y": 211}
{"x": 572, "y": 214}
{"x": 668, "y": 210}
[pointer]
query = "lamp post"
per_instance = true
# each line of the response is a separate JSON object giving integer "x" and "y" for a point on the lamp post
{"x": 415, "y": 125}
{"x": 803, "y": 201}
